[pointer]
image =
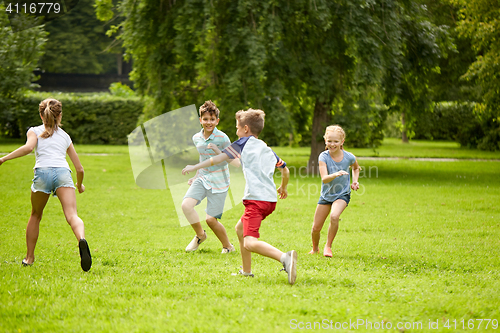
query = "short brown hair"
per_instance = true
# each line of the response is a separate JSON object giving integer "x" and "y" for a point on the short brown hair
{"x": 209, "y": 107}
{"x": 254, "y": 119}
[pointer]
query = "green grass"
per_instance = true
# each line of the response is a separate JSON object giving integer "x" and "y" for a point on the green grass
{"x": 415, "y": 149}
{"x": 418, "y": 243}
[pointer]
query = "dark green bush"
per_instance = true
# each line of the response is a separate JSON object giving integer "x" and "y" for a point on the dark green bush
{"x": 451, "y": 121}
{"x": 88, "y": 118}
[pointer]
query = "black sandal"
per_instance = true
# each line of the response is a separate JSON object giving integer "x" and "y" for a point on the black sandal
{"x": 86, "y": 259}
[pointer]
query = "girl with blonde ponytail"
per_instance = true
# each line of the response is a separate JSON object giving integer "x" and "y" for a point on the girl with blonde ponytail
{"x": 52, "y": 175}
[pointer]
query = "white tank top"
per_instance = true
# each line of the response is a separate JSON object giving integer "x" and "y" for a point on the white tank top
{"x": 51, "y": 152}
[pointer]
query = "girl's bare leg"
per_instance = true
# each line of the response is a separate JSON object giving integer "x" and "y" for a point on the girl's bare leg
{"x": 67, "y": 197}
{"x": 38, "y": 202}
{"x": 337, "y": 208}
{"x": 320, "y": 215}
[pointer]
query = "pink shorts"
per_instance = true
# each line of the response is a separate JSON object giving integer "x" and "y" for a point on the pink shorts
{"x": 255, "y": 212}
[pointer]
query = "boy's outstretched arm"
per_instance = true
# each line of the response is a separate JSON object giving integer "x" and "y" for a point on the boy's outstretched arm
{"x": 355, "y": 176}
{"x": 205, "y": 164}
{"x": 285, "y": 176}
{"x": 23, "y": 150}
{"x": 234, "y": 162}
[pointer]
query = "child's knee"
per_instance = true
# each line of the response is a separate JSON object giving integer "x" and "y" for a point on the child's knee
{"x": 186, "y": 206}
{"x": 212, "y": 221}
{"x": 248, "y": 244}
{"x": 316, "y": 228}
{"x": 239, "y": 228}
{"x": 335, "y": 218}
{"x": 36, "y": 214}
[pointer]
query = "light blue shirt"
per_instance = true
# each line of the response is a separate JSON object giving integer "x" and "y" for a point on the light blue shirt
{"x": 341, "y": 185}
{"x": 214, "y": 177}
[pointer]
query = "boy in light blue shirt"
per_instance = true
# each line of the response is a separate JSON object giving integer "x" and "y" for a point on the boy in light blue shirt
{"x": 211, "y": 182}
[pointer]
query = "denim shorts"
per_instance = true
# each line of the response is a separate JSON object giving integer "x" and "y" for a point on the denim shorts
{"x": 215, "y": 201}
{"x": 48, "y": 180}
{"x": 345, "y": 197}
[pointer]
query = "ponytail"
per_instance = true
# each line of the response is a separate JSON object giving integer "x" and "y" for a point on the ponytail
{"x": 50, "y": 110}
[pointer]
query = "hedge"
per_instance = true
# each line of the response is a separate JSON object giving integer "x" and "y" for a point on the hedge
{"x": 452, "y": 121}
{"x": 88, "y": 118}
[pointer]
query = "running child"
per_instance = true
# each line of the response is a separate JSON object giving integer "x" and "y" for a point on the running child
{"x": 334, "y": 166}
{"x": 52, "y": 175}
{"x": 258, "y": 162}
{"x": 211, "y": 182}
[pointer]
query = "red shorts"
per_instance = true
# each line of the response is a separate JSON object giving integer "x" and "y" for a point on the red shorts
{"x": 255, "y": 212}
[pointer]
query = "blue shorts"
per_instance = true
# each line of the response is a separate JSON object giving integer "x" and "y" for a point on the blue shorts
{"x": 215, "y": 201}
{"x": 48, "y": 180}
{"x": 345, "y": 197}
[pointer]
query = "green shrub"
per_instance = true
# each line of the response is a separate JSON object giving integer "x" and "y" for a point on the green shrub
{"x": 88, "y": 118}
{"x": 451, "y": 121}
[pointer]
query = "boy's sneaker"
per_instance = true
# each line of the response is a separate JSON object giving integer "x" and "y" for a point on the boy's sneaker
{"x": 86, "y": 259}
{"x": 290, "y": 266}
{"x": 228, "y": 249}
{"x": 193, "y": 246}
{"x": 240, "y": 272}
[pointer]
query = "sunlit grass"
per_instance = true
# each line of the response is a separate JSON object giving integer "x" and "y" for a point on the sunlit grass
{"x": 418, "y": 242}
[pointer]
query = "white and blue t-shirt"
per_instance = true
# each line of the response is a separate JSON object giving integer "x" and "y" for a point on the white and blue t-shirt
{"x": 341, "y": 185}
{"x": 258, "y": 162}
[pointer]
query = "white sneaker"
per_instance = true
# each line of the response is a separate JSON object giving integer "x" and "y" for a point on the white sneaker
{"x": 241, "y": 272}
{"x": 193, "y": 246}
{"x": 228, "y": 249}
{"x": 290, "y": 266}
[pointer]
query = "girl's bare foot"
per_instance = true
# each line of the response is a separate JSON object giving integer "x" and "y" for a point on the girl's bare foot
{"x": 313, "y": 251}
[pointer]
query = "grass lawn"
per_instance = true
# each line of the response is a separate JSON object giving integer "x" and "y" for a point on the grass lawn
{"x": 418, "y": 246}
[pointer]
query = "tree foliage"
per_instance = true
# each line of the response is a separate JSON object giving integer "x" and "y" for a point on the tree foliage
{"x": 78, "y": 43}
{"x": 298, "y": 60}
{"x": 480, "y": 21}
{"x": 19, "y": 55}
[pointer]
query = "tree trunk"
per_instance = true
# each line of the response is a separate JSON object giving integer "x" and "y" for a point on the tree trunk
{"x": 404, "y": 136}
{"x": 321, "y": 120}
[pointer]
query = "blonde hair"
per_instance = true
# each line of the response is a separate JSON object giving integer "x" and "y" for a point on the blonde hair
{"x": 254, "y": 119}
{"x": 50, "y": 109}
{"x": 335, "y": 128}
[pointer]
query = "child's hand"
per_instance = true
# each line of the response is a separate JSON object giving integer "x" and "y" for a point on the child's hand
{"x": 80, "y": 187}
{"x": 214, "y": 148}
{"x": 190, "y": 181}
{"x": 1, "y": 161}
{"x": 340, "y": 173}
{"x": 188, "y": 169}
{"x": 282, "y": 192}
{"x": 355, "y": 186}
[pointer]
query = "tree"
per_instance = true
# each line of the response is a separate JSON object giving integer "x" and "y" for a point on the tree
{"x": 276, "y": 54}
{"x": 480, "y": 21}
{"x": 19, "y": 55}
{"x": 408, "y": 84}
{"x": 77, "y": 43}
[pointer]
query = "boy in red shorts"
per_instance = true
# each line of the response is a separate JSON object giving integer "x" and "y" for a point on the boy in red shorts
{"x": 258, "y": 162}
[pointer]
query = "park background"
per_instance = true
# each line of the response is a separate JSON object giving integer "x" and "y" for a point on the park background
{"x": 406, "y": 79}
